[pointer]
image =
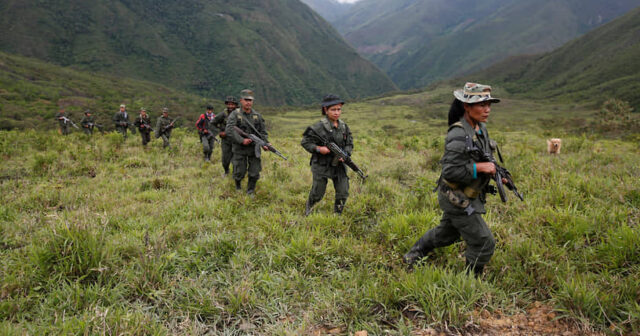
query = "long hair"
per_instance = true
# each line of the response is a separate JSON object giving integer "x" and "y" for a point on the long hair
{"x": 456, "y": 111}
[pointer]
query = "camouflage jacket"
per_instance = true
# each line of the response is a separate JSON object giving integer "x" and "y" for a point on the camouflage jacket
{"x": 87, "y": 122}
{"x": 121, "y": 119}
{"x": 458, "y": 167}
{"x": 161, "y": 126}
{"x": 60, "y": 118}
{"x": 241, "y": 119}
{"x": 341, "y": 135}
{"x": 220, "y": 122}
{"x": 143, "y": 123}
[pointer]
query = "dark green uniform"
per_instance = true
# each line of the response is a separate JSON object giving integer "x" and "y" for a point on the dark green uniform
{"x": 87, "y": 123}
{"x": 144, "y": 126}
{"x": 460, "y": 182}
{"x": 326, "y": 167}
{"x": 121, "y": 121}
{"x": 163, "y": 130}
{"x": 207, "y": 132}
{"x": 226, "y": 142}
{"x": 63, "y": 122}
{"x": 244, "y": 156}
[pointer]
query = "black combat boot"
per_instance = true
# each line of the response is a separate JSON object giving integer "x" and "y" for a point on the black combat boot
{"x": 308, "y": 207}
{"x": 226, "y": 172}
{"x": 418, "y": 251}
{"x": 338, "y": 206}
{"x": 475, "y": 268}
{"x": 251, "y": 185}
{"x": 238, "y": 184}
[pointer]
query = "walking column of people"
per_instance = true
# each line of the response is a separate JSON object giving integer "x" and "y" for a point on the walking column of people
{"x": 468, "y": 163}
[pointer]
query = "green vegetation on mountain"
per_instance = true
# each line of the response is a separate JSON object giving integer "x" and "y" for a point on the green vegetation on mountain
{"x": 602, "y": 64}
{"x": 31, "y": 92}
{"x": 419, "y": 42}
{"x": 98, "y": 236}
{"x": 280, "y": 48}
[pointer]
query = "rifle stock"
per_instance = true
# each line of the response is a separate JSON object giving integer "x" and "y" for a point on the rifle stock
{"x": 259, "y": 143}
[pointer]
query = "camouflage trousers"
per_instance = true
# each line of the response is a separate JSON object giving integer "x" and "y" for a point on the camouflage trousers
{"x": 208, "y": 142}
{"x": 146, "y": 137}
{"x": 473, "y": 230}
{"x": 165, "y": 140}
{"x": 123, "y": 130}
{"x": 64, "y": 129}
{"x": 227, "y": 153}
{"x": 243, "y": 162}
{"x": 321, "y": 175}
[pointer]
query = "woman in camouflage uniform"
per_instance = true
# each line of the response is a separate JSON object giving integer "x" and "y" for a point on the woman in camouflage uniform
{"x": 324, "y": 165}
{"x": 464, "y": 182}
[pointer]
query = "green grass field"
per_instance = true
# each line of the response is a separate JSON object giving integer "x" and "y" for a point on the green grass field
{"x": 98, "y": 236}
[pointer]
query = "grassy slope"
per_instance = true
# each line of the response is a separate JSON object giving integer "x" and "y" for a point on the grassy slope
{"x": 159, "y": 243}
{"x": 280, "y": 48}
{"x": 601, "y": 64}
{"x": 32, "y": 90}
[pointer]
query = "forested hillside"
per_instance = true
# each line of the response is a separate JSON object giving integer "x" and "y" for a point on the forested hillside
{"x": 280, "y": 48}
{"x": 420, "y": 41}
{"x": 31, "y": 92}
{"x": 600, "y": 65}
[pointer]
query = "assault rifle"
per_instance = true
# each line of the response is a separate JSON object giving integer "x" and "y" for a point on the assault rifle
{"x": 339, "y": 153}
{"x": 259, "y": 143}
{"x": 67, "y": 120}
{"x": 147, "y": 126}
{"x": 168, "y": 127}
{"x": 480, "y": 156}
{"x": 98, "y": 126}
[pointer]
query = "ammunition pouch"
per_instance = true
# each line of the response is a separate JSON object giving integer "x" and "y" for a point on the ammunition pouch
{"x": 470, "y": 191}
{"x": 455, "y": 196}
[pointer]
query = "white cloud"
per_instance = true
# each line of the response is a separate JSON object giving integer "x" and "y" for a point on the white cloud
{"x": 347, "y": 1}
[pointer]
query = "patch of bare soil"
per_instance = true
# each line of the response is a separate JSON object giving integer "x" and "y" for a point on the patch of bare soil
{"x": 539, "y": 319}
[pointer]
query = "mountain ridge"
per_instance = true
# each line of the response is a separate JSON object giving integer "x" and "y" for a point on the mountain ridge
{"x": 212, "y": 48}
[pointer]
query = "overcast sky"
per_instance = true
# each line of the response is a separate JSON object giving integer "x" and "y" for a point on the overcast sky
{"x": 348, "y": 1}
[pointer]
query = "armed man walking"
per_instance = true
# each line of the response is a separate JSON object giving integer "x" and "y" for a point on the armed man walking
{"x": 63, "y": 121}
{"x": 324, "y": 164}
{"x": 121, "y": 121}
{"x": 226, "y": 143}
{"x": 245, "y": 155}
{"x": 164, "y": 125}
{"x": 464, "y": 182}
{"x": 87, "y": 123}
{"x": 143, "y": 123}
{"x": 207, "y": 132}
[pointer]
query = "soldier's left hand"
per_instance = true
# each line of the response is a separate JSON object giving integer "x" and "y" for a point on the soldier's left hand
{"x": 265, "y": 147}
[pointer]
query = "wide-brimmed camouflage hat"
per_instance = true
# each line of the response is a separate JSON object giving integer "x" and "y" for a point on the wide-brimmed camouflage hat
{"x": 246, "y": 94}
{"x": 475, "y": 93}
{"x": 165, "y": 109}
{"x": 123, "y": 105}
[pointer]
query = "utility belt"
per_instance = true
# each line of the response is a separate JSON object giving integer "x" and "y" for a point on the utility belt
{"x": 461, "y": 197}
{"x": 325, "y": 160}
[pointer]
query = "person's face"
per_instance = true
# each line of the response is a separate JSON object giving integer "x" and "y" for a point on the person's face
{"x": 334, "y": 112}
{"x": 143, "y": 113}
{"x": 246, "y": 104}
{"x": 88, "y": 114}
{"x": 165, "y": 114}
{"x": 209, "y": 111}
{"x": 121, "y": 108}
{"x": 479, "y": 112}
{"x": 231, "y": 106}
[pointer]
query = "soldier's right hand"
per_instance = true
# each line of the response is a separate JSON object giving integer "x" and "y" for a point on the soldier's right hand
{"x": 486, "y": 167}
{"x": 246, "y": 141}
{"x": 222, "y": 134}
{"x": 324, "y": 150}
